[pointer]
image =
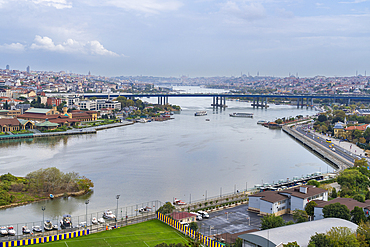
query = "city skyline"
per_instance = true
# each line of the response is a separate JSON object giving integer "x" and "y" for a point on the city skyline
{"x": 194, "y": 38}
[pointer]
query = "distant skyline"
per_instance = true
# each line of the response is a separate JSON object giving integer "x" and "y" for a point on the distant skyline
{"x": 193, "y": 38}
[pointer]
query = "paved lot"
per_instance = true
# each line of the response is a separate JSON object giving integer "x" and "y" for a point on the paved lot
{"x": 232, "y": 220}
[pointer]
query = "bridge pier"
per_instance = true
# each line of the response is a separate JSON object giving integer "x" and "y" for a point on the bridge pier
{"x": 219, "y": 101}
{"x": 349, "y": 101}
{"x": 254, "y": 102}
{"x": 298, "y": 99}
{"x": 311, "y": 103}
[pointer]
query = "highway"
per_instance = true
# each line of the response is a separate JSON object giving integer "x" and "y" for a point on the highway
{"x": 307, "y": 131}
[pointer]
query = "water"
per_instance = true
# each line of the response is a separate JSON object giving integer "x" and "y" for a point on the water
{"x": 162, "y": 160}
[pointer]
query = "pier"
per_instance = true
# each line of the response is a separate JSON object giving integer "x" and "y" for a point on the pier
{"x": 338, "y": 161}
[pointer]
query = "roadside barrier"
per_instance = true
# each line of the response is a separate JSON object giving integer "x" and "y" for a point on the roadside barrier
{"x": 187, "y": 231}
{"x": 46, "y": 239}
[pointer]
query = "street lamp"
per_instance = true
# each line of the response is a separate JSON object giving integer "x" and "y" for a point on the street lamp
{"x": 86, "y": 202}
{"x": 117, "y": 197}
{"x": 43, "y": 217}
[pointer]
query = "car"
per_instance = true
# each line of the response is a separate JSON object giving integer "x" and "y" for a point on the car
{"x": 204, "y": 214}
{"x": 184, "y": 224}
{"x": 198, "y": 216}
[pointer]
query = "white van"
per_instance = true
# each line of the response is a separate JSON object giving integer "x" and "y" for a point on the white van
{"x": 204, "y": 214}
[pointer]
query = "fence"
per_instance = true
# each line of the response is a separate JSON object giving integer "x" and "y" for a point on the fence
{"x": 125, "y": 216}
{"x": 45, "y": 239}
{"x": 187, "y": 231}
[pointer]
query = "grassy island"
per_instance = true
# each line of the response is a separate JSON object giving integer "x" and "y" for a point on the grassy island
{"x": 38, "y": 185}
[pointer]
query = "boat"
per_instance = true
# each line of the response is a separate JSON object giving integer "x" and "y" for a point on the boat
{"x": 101, "y": 221}
{"x": 208, "y": 119}
{"x": 145, "y": 209}
{"x": 25, "y": 230}
{"x": 3, "y": 231}
{"x": 241, "y": 114}
{"x": 94, "y": 221}
{"x": 108, "y": 215}
{"x": 66, "y": 222}
{"x": 262, "y": 122}
{"x": 178, "y": 202}
{"x": 36, "y": 229}
{"x": 51, "y": 196}
{"x": 11, "y": 231}
{"x": 48, "y": 226}
{"x": 200, "y": 113}
{"x": 55, "y": 227}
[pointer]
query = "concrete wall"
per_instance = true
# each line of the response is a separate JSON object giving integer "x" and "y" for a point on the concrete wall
{"x": 296, "y": 203}
{"x": 318, "y": 215}
{"x": 266, "y": 207}
{"x": 254, "y": 202}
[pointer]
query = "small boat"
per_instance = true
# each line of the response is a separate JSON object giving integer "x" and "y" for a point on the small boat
{"x": 55, "y": 227}
{"x": 48, "y": 226}
{"x": 3, "y": 231}
{"x": 66, "y": 222}
{"x": 36, "y": 229}
{"x": 178, "y": 202}
{"x": 145, "y": 209}
{"x": 108, "y": 215}
{"x": 51, "y": 196}
{"x": 208, "y": 119}
{"x": 94, "y": 221}
{"x": 25, "y": 230}
{"x": 200, "y": 113}
{"x": 241, "y": 114}
{"x": 261, "y": 122}
{"x": 101, "y": 221}
{"x": 11, "y": 231}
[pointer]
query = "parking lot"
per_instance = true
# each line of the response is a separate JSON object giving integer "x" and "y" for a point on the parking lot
{"x": 232, "y": 220}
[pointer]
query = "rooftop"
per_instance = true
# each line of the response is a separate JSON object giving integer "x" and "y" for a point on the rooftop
{"x": 270, "y": 196}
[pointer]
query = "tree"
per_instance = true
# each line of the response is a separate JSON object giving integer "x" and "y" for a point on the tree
{"x": 193, "y": 226}
{"x": 322, "y": 118}
{"x": 310, "y": 208}
{"x": 361, "y": 163}
{"x": 336, "y": 210}
{"x": 334, "y": 193}
{"x": 279, "y": 121}
{"x": 364, "y": 230}
{"x": 271, "y": 221}
{"x": 342, "y": 237}
{"x": 319, "y": 240}
{"x": 366, "y": 134}
{"x": 313, "y": 182}
{"x": 300, "y": 216}
{"x": 358, "y": 215}
{"x": 167, "y": 208}
{"x": 359, "y": 197}
{"x": 291, "y": 244}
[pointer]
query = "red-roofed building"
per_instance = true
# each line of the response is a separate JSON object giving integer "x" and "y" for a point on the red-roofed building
{"x": 183, "y": 217}
{"x": 359, "y": 127}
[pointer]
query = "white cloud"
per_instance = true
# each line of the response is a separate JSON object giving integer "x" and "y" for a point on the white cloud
{"x": 146, "y": 6}
{"x": 243, "y": 10}
{"x": 13, "y": 47}
{"x": 355, "y": 1}
{"x": 58, "y": 4}
{"x": 72, "y": 46}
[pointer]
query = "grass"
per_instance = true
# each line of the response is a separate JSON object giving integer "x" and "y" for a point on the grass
{"x": 146, "y": 234}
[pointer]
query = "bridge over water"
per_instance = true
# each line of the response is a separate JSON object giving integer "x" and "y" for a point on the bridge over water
{"x": 219, "y": 99}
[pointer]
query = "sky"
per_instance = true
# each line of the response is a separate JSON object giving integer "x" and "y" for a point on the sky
{"x": 192, "y": 38}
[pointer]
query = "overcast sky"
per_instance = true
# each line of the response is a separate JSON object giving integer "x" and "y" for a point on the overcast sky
{"x": 187, "y": 37}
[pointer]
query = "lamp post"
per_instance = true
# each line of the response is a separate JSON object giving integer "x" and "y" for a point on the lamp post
{"x": 43, "y": 217}
{"x": 86, "y": 202}
{"x": 117, "y": 197}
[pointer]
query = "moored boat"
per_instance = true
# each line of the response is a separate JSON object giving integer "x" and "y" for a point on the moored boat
{"x": 241, "y": 114}
{"x": 262, "y": 122}
{"x": 48, "y": 226}
{"x": 3, "y": 231}
{"x": 11, "y": 231}
{"x": 94, "y": 221}
{"x": 25, "y": 230}
{"x": 66, "y": 222}
{"x": 108, "y": 215}
{"x": 200, "y": 113}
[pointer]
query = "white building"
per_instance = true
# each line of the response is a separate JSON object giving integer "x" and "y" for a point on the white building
{"x": 90, "y": 105}
{"x": 282, "y": 202}
{"x": 103, "y": 103}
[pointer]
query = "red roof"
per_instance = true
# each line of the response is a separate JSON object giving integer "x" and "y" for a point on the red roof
{"x": 181, "y": 215}
{"x": 361, "y": 127}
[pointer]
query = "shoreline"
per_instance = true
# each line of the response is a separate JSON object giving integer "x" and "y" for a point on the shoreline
{"x": 78, "y": 193}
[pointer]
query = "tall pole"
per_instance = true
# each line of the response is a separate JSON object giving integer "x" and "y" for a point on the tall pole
{"x": 117, "y": 197}
{"x": 86, "y": 202}
{"x": 43, "y": 218}
{"x": 206, "y": 195}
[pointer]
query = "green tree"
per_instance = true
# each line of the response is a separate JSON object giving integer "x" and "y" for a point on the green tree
{"x": 300, "y": 216}
{"x": 291, "y": 244}
{"x": 193, "y": 226}
{"x": 359, "y": 197}
{"x": 358, "y": 215}
{"x": 334, "y": 193}
{"x": 363, "y": 229}
{"x": 366, "y": 134}
{"x": 279, "y": 121}
{"x": 361, "y": 163}
{"x": 322, "y": 118}
{"x": 313, "y": 182}
{"x": 310, "y": 208}
{"x": 336, "y": 210}
{"x": 342, "y": 237}
{"x": 353, "y": 179}
{"x": 167, "y": 208}
{"x": 319, "y": 240}
{"x": 271, "y": 221}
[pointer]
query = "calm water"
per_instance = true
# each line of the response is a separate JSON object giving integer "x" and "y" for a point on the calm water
{"x": 162, "y": 160}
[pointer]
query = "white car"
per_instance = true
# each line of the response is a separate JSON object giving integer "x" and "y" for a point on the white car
{"x": 198, "y": 216}
{"x": 204, "y": 214}
{"x": 184, "y": 224}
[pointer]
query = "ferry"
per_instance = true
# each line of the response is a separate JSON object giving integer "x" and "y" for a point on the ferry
{"x": 241, "y": 114}
{"x": 200, "y": 113}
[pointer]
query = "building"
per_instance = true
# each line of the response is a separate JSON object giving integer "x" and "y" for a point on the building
{"x": 338, "y": 129}
{"x": 10, "y": 113}
{"x": 285, "y": 201}
{"x": 301, "y": 233}
{"x": 9, "y": 124}
{"x": 102, "y": 103}
{"x": 54, "y": 101}
{"x": 28, "y": 69}
{"x": 350, "y": 203}
{"x": 7, "y": 67}
{"x": 90, "y": 105}
{"x": 184, "y": 217}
